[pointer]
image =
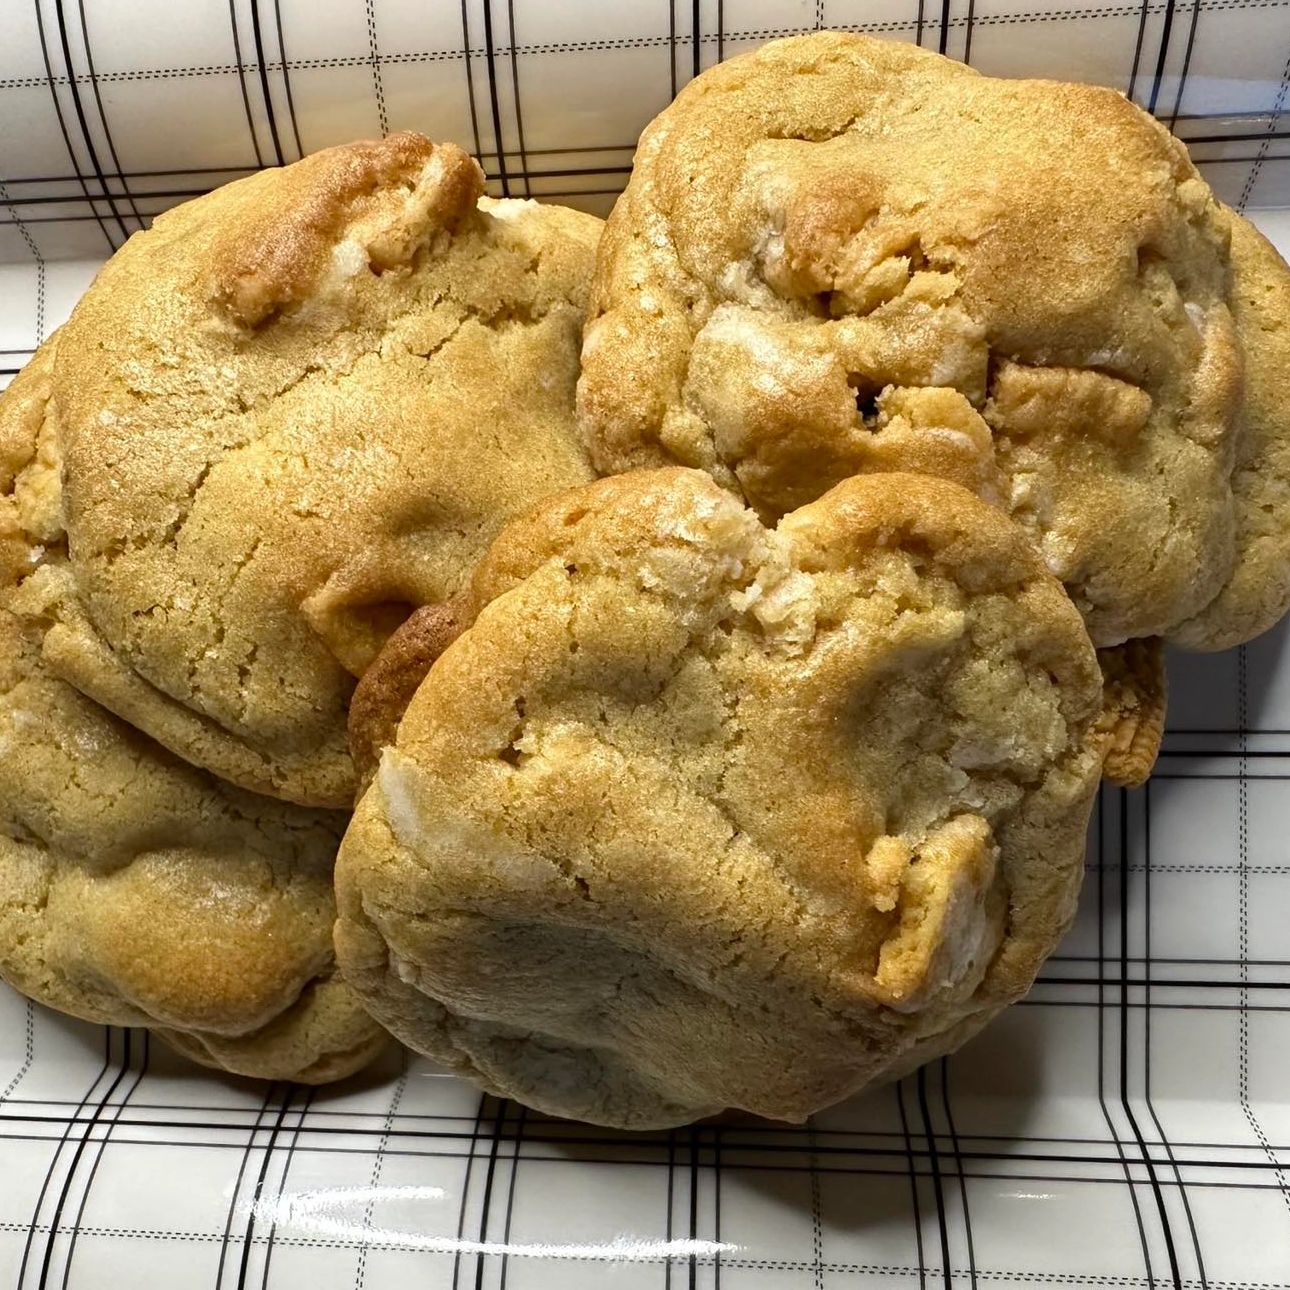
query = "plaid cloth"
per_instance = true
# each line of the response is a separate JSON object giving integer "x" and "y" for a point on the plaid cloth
{"x": 1128, "y": 1125}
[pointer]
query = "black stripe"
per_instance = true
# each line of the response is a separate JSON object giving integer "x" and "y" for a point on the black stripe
{"x": 817, "y": 1214}
{"x": 248, "y": 1238}
{"x": 515, "y": 89}
{"x": 693, "y": 1138}
{"x": 937, "y": 1190}
{"x": 1101, "y": 1040}
{"x": 237, "y": 1186}
{"x": 945, "y": 26}
{"x": 492, "y": 98}
{"x": 918, "y": 31}
{"x": 360, "y": 1272}
{"x": 967, "y": 40}
{"x": 465, "y": 1189}
{"x": 671, "y": 42}
{"x": 1137, "y": 48}
{"x": 90, "y": 149}
{"x": 286, "y": 78}
{"x": 520, "y": 1120}
{"x": 697, "y": 26}
{"x": 958, "y": 1165}
{"x": 98, "y": 99}
{"x": 241, "y": 80}
{"x": 65, "y": 1190}
{"x": 252, "y": 1217}
{"x": 1161, "y": 1210}
{"x": 260, "y": 62}
{"x": 374, "y": 61}
{"x": 1151, "y": 1110}
{"x": 1186, "y": 67}
{"x": 45, "y": 1263}
{"x": 913, "y": 1180}
{"x": 721, "y": 30}
{"x": 499, "y": 1120}
{"x": 282, "y": 1184}
{"x": 145, "y": 1051}
{"x": 62, "y": 125}
{"x": 1162, "y": 57}
{"x": 58, "y": 1151}
{"x": 671, "y": 1192}
{"x": 470, "y": 81}
{"x": 717, "y": 1132}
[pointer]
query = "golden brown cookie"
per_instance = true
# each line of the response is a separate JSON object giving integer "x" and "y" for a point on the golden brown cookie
{"x": 839, "y": 254}
{"x": 135, "y": 889}
{"x": 699, "y": 814}
{"x": 291, "y": 412}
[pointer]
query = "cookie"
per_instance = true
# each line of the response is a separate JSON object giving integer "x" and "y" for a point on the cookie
{"x": 805, "y": 280}
{"x": 698, "y": 814}
{"x": 135, "y": 889}
{"x": 289, "y": 413}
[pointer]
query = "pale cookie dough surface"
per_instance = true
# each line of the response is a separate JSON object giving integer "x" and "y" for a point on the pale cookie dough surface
{"x": 699, "y": 814}
{"x": 839, "y": 255}
{"x": 289, "y": 413}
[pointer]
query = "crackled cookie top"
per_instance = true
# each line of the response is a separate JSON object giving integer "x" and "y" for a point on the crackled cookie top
{"x": 698, "y": 813}
{"x": 289, "y": 413}
{"x": 135, "y": 889}
{"x": 840, "y": 255}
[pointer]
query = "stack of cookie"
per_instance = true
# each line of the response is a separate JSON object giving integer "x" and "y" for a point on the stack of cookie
{"x": 718, "y": 627}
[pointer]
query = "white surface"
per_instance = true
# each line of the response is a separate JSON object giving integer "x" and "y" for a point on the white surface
{"x": 1128, "y": 1125}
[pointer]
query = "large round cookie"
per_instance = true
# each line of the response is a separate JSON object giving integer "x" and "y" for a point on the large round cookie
{"x": 698, "y": 814}
{"x": 840, "y": 254}
{"x": 136, "y": 890}
{"x": 292, "y": 410}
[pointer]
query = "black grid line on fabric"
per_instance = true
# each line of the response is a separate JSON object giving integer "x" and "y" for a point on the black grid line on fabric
{"x": 692, "y": 1142}
{"x": 105, "y": 1071}
{"x": 242, "y": 69}
{"x": 817, "y": 1224}
{"x": 938, "y": 1192}
{"x": 253, "y": 1209}
{"x": 475, "y": 1134}
{"x": 98, "y": 100}
{"x": 374, "y": 59}
{"x": 1162, "y": 1212}
{"x": 743, "y": 1154}
{"x": 792, "y": 1265}
{"x": 1102, "y": 1007}
{"x": 51, "y": 81}
{"x": 1243, "y": 921}
{"x": 515, "y": 92}
{"x": 286, "y": 78}
{"x": 144, "y": 1045}
{"x": 1262, "y": 156}
{"x": 491, "y": 54}
{"x": 517, "y": 1139}
{"x": 915, "y": 1206}
{"x": 945, "y": 1068}
{"x": 257, "y": 33}
{"x": 1146, "y": 954}
{"x": 29, "y": 1053}
{"x": 294, "y": 1142}
{"x": 378, "y": 1165}
{"x": 226, "y": 1240}
{"x": 395, "y": 57}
